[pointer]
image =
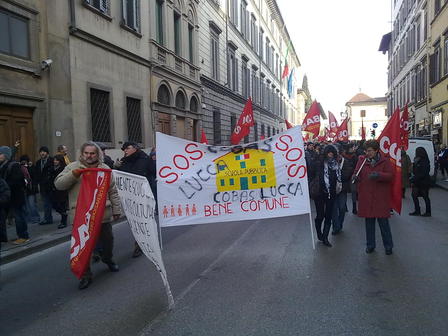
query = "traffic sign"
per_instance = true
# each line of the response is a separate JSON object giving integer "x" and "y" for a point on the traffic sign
{"x": 375, "y": 125}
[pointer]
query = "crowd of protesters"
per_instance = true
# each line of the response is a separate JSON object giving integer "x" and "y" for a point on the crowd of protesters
{"x": 335, "y": 170}
{"x": 358, "y": 168}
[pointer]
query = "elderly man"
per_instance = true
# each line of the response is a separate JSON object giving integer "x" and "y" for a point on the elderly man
{"x": 69, "y": 179}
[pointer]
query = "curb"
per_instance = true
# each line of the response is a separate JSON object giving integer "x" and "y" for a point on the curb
{"x": 10, "y": 256}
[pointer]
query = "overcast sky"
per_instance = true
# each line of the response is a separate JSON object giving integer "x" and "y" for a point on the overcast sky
{"x": 337, "y": 44}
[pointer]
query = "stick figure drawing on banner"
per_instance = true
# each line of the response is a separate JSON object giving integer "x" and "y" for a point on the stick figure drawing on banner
{"x": 179, "y": 210}
{"x": 193, "y": 210}
{"x": 187, "y": 210}
{"x": 165, "y": 212}
{"x": 172, "y": 211}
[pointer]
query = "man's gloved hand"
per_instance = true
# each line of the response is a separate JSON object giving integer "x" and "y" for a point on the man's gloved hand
{"x": 355, "y": 179}
{"x": 77, "y": 172}
{"x": 374, "y": 176}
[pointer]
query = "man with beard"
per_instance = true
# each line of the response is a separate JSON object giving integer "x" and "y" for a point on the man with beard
{"x": 69, "y": 179}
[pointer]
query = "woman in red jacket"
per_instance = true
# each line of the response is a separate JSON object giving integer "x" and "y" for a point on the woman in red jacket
{"x": 374, "y": 174}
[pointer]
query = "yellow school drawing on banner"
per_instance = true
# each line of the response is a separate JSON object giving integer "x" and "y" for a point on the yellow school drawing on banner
{"x": 253, "y": 169}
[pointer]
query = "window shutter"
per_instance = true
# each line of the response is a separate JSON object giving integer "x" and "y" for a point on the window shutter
{"x": 124, "y": 12}
{"x": 104, "y": 6}
{"x": 137, "y": 16}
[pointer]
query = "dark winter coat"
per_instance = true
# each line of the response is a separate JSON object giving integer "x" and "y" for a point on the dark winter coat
{"x": 33, "y": 189}
{"x": 406, "y": 167}
{"x": 348, "y": 167}
{"x": 16, "y": 182}
{"x": 374, "y": 196}
{"x": 137, "y": 163}
{"x": 43, "y": 174}
{"x": 108, "y": 160}
{"x": 5, "y": 194}
{"x": 420, "y": 174}
{"x": 59, "y": 198}
{"x": 316, "y": 168}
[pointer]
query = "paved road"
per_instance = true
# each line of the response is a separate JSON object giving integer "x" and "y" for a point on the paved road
{"x": 246, "y": 278}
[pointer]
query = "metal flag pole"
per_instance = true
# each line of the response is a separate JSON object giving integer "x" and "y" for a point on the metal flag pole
{"x": 359, "y": 170}
{"x": 312, "y": 229}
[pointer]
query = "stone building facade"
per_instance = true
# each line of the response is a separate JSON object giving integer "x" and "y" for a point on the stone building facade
{"x": 242, "y": 46}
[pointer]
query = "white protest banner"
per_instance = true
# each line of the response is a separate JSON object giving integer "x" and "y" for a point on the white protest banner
{"x": 200, "y": 183}
{"x": 139, "y": 204}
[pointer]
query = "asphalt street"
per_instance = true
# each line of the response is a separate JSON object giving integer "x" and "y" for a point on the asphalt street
{"x": 244, "y": 278}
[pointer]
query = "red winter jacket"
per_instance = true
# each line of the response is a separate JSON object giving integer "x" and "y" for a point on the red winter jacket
{"x": 374, "y": 196}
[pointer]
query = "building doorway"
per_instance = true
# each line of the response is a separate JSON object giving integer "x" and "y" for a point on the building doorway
{"x": 16, "y": 123}
{"x": 164, "y": 123}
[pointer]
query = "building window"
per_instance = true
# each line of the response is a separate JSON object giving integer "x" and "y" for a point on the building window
{"x": 262, "y": 131}
{"x": 216, "y": 126}
{"x": 214, "y": 38}
{"x": 267, "y": 52}
{"x": 245, "y": 74}
{"x": 434, "y": 65}
{"x": 445, "y": 55}
{"x": 254, "y": 86}
{"x": 261, "y": 45}
{"x": 437, "y": 6}
{"x": 232, "y": 122}
{"x": 190, "y": 43}
{"x": 177, "y": 24}
{"x": 256, "y": 131}
{"x": 159, "y": 21}
{"x": 232, "y": 69}
{"x": 194, "y": 104}
{"x": 180, "y": 100}
{"x": 131, "y": 14}
{"x": 244, "y": 20}
{"x": 14, "y": 35}
{"x": 134, "y": 119}
{"x": 101, "y": 5}
{"x": 234, "y": 12}
{"x": 253, "y": 33}
{"x": 100, "y": 115}
{"x": 269, "y": 131}
{"x": 164, "y": 96}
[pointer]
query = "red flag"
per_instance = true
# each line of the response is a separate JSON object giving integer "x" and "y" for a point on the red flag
{"x": 288, "y": 124}
{"x": 262, "y": 137}
{"x": 203, "y": 138}
{"x": 342, "y": 134}
{"x": 246, "y": 120}
{"x": 363, "y": 130}
{"x": 311, "y": 123}
{"x": 404, "y": 128}
{"x": 285, "y": 71}
{"x": 390, "y": 146}
{"x": 88, "y": 217}
{"x": 333, "y": 123}
{"x": 306, "y": 137}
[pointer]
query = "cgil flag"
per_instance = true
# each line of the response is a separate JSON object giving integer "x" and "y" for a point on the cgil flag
{"x": 311, "y": 123}
{"x": 245, "y": 121}
{"x": 288, "y": 124}
{"x": 203, "y": 138}
{"x": 88, "y": 217}
{"x": 333, "y": 123}
{"x": 342, "y": 134}
{"x": 390, "y": 147}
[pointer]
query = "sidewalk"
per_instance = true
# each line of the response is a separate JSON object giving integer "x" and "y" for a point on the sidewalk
{"x": 41, "y": 237}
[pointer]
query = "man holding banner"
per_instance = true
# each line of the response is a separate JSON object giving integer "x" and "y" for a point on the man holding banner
{"x": 92, "y": 193}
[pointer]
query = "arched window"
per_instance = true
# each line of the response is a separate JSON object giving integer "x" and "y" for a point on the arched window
{"x": 163, "y": 95}
{"x": 180, "y": 100}
{"x": 193, "y": 104}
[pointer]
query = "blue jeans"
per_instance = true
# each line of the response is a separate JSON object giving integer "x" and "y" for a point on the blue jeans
{"x": 385, "y": 232}
{"x": 46, "y": 199}
{"x": 339, "y": 210}
{"x": 20, "y": 220}
{"x": 31, "y": 209}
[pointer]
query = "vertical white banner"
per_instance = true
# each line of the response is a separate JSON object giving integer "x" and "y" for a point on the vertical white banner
{"x": 139, "y": 204}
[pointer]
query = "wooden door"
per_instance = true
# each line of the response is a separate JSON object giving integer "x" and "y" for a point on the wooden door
{"x": 164, "y": 123}
{"x": 16, "y": 123}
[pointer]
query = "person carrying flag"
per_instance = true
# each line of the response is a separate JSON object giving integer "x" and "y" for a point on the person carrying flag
{"x": 373, "y": 174}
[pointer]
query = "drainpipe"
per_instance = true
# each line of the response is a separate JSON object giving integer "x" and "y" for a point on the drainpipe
{"x": 71, "y": 6}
